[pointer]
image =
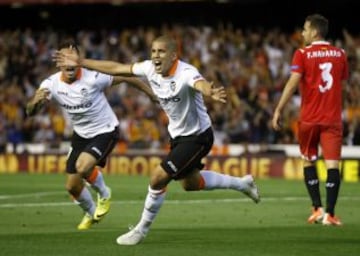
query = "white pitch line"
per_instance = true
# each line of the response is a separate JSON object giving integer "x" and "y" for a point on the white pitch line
{"x": 38, "y": 194}
{"x": 195, "y": 201}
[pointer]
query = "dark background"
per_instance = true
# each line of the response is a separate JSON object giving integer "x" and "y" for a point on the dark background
{"x": 70, "y": 16}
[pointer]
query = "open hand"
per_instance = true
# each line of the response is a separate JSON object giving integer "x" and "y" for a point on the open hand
{"x": 66, "y": 58}
{"x": 218, "y": 94}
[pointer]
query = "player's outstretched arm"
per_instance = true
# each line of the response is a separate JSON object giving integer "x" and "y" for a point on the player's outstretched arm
{"x": 71, "y": 58}
{"x": 139, "y": 84}
{"x": 37, "y": 102}
{"x": 209, "y": 90}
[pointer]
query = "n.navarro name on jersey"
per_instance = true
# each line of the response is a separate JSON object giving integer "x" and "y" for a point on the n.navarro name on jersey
{"x": 85, "y": 105}
{"x": 171, "y": 99}
{"x": 324, "y": 53}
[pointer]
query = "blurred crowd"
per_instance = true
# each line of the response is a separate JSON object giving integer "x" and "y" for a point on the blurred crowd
{"x": 253, "y": 65}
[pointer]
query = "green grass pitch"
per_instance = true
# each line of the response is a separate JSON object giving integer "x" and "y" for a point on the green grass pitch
{"x": 38, "y": 218}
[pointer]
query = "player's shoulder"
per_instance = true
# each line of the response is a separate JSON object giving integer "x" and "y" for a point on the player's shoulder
{"x": 85, "y": 73}
{"x": 89, "y": 74}
{"x": 53, "y": 78}
{"x": 184, "y": 66}
{"x": 145, "y": 64}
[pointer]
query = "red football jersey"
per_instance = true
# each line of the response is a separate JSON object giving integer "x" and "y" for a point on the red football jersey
{"x": 323, "y": 67}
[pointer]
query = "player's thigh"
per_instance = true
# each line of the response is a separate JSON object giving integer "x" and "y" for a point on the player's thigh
{"x": 331, "y": 141}
{"x": 78, "y": 145}
{"x": 309, "y": 139}
{"x": 159, "y": 178}
{"x": 85, "y": 162}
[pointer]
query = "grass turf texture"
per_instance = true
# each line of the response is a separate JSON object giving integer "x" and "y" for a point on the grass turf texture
{"x": 38, "y": 218}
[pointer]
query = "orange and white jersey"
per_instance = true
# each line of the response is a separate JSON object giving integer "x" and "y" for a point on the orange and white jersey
{"x": 183, "y": 104}
{"x": 84, "y": 101}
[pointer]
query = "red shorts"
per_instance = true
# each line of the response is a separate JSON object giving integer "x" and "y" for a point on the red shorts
{"x": 327, "y": 136}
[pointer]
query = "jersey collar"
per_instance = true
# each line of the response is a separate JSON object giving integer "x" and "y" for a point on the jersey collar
{"x": 173, "y": 68}
{"x": 320, "y": 42}
{"x": 78, "y": 76}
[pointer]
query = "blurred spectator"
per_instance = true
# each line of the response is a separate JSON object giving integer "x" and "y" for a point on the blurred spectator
{"x": 253, "y": 64}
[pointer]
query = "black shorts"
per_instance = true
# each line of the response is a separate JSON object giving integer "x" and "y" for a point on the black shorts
{"x": 100, "y": 147}
{"x": 186, "y": 153}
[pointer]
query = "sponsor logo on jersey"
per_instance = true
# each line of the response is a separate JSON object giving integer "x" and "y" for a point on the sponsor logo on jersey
{"x": 84, "y": 105}
{"x": 171, "y": 99}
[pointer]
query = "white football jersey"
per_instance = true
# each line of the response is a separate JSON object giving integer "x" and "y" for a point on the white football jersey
{"x": 183, "y": 104}
{"x": 84, "y": 101}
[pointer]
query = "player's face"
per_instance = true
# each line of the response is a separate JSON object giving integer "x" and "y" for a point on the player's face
{"x": 162, "y": 58}
{"x": 307, "y": 33}
{"x": 69, "y": 72}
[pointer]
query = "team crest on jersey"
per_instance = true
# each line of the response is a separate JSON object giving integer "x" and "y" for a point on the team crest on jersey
{"x": 172, "y": 85}
{"x": 84, "y": 92}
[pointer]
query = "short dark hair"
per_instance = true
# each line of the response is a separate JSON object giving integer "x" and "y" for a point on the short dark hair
{"x": 170, "y": 42}
{"x": 320, "y": 23}
{"x": 69, "y": 42}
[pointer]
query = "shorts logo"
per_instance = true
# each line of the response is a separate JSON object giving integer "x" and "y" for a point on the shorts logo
{"x": 172, "y": 166}
{"x": 96, "y": 150}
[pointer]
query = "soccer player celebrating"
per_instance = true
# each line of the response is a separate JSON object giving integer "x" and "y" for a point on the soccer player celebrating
{"x": 180, "y": 89}
{"x": 321, "y": 70}
{"x": 80, "y": 93}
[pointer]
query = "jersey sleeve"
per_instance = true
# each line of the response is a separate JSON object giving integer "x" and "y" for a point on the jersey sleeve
{"x": 297, "y": 62}
{"x": 141, "y": 68}
{"x": 47, "y": 84}
{"x": 103, "y": 80}
{"x": 192, "y": 75}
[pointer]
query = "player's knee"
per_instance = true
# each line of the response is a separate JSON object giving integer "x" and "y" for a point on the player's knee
{"x": 159, "y": 179}
{"x": 191, "y": 182}
{"x": 189, "y": 186}
{"x": 83, "y": 168}
{"x": 73, "y": 189}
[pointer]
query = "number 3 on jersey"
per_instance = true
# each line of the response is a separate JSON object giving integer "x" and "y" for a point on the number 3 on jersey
{"x": 326, "y": 77}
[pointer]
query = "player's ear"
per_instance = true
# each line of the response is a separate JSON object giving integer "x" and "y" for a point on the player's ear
{"x": 314, "y": 32}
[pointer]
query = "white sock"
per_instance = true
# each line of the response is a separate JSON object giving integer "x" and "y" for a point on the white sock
{"x": 215, "y": 180}
{"x": 86, "y": 202}
{"x": 97, "y": 182}
{"x": 153, "y": 203}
